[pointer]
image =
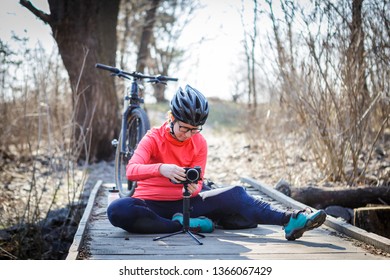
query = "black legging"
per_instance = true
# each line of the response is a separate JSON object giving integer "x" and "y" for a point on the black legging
{"x": 222, "y": 205}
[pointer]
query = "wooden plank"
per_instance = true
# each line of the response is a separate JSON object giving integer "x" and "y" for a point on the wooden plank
{"x": 325, "y": 237}
{"x": 339, "y": 225}
{"x": 221, "y": 247}
{"x": 227, "y": 246}
{"x": 273, "y": 256}
{"x": 224, "y": 244}
{"x": 79, "y": 236}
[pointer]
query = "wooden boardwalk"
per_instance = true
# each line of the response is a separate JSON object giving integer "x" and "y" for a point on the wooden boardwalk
{"x": 97, "y": 239}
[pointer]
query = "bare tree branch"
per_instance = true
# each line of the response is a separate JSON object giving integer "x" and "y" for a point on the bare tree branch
{"x": 46, "y": 18}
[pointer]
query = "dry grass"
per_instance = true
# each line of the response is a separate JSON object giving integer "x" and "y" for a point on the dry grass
{"x": 42, "y": 182}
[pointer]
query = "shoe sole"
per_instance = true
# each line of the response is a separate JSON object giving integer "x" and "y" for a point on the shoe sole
{"x": 310, "y": 224}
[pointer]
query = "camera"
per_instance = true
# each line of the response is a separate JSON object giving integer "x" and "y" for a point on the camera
{"x": 192, "y": 175}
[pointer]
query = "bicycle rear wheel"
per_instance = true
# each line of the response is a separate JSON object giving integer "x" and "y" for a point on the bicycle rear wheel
{"x": 137, "y": 125}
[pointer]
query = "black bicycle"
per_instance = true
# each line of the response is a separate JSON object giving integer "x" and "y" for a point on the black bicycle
{"x": 135, "y": 123}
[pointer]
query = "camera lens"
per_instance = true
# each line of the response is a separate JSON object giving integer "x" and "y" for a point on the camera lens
{"x": 192, "y": 175}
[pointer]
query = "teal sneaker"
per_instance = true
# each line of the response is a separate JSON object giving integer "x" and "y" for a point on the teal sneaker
{"x": 302, "y": 221}
{"x": 200, "y": 224}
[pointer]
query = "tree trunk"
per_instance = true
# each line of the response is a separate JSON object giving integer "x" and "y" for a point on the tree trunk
{"x": 147, "y": 32}
{"x": 356, "y": 47}
{"x": 159, "y": 93}
{"x": 373, "y": 219}
{"x": 85, "y": 32}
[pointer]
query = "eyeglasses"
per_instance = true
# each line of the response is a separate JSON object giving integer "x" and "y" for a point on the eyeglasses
{"x": 185, "y": 129}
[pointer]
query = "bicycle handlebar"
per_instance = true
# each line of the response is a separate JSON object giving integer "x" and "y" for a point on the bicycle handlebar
{"x": 137, "y": 75}
{"x": 108, "y": 68}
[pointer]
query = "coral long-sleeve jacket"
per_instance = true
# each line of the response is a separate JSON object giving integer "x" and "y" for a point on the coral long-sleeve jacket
{"x": 158, "y": 146}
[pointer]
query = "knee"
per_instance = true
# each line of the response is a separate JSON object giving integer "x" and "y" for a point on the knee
{"x": 120, "y": 211}
{"x": 241, "y": 196}
{"x": 113, "y": 211}
{"x": 238, "y": 191}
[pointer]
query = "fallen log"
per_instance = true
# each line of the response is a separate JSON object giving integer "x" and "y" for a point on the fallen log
{"x": 352, "y": 197}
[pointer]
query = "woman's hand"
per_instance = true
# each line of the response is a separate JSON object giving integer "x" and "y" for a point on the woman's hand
{"x": 192, "y": 187}
{"x": 177, "y": 174}
{"x": 173, "y": 172}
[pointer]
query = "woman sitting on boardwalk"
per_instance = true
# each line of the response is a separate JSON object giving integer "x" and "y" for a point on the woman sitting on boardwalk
{"x": 159, "y": 164}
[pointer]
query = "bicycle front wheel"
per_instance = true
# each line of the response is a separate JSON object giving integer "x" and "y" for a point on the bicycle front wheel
{"x": 137, "y": 125}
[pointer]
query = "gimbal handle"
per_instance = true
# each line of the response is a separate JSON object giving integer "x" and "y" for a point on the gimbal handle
{"x": 186, "y": 192}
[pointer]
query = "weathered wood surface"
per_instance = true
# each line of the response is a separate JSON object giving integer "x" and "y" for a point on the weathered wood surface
{"x": 339, "y": 225}
{"x": 99, "y": 240}
{"x": 373, "y": 218}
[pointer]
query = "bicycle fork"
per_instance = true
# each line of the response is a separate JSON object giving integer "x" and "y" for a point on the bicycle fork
{"x": 125, "y": 113}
